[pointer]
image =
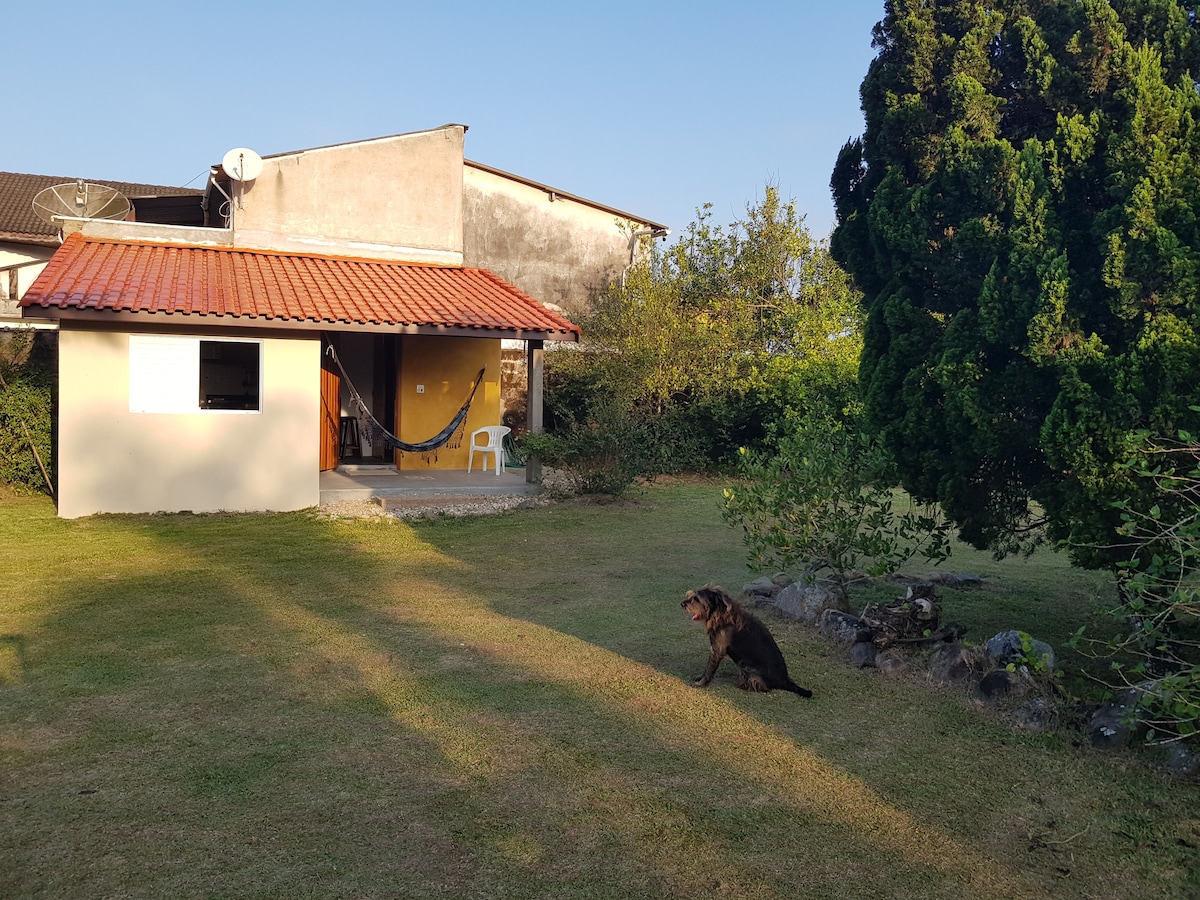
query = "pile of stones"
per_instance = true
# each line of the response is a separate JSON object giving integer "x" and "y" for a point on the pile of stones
{"x": 1010, "y": 672}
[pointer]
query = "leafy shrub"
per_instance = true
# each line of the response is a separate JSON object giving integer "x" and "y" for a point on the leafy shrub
{"x": 26, "y": 410}
{"x": 824, "y": 497}
{"x": 1158, "y": 644}
{"x": 600, "y": 452}
{"x": 713, "y": 343}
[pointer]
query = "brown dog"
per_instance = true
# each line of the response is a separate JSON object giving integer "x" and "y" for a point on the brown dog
{"x": 735, "y": 633}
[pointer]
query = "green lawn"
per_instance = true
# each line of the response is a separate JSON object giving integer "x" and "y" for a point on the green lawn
{"x": 287, "y": 706}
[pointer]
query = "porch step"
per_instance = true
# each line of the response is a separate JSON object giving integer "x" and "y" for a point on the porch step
{"x": 448, "y": 486}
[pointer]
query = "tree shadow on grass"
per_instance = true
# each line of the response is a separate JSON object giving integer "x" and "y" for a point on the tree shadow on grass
{"x": 284, "y": 706}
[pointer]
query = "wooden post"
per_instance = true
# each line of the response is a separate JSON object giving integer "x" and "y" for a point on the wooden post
{"x": 534, "y": 391}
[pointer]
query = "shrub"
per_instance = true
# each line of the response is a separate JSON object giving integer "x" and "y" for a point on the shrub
{"x": 26, "y": 410}
{"x": 600, "y": 452}
{"x": 824, "y": 497}
{"x": 1158, "y": 644}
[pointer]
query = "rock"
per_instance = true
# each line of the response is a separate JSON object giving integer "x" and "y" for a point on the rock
{"x": 805, "y": 602}
{"x": 1182, "y": 761}
{"x": 1115, "y": 724}
{"x": 862, "y": 655}
{"x": 999, "y": 683}
{"x": 951, "y": 663}
{"x": 1007, "y": 647}
{"x": 760, "y": 587}
{"x": 891, "y": 662}
{"x": 782, "y": 579}
{"x": 839, "y": 626}
{"x": 1037, "y": 716}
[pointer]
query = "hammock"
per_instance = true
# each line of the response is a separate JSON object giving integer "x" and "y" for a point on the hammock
{"x": 451, "y": 435}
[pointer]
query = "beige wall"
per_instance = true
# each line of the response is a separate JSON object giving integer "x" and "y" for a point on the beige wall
{"x": 112, "y": 460}
{"x": 446, "y": 368}
{"x": 397, "y": 197}
{"x": 559, "y": 251}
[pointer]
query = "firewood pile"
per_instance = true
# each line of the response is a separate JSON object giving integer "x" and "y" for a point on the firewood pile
{"x": 914, "y": 619}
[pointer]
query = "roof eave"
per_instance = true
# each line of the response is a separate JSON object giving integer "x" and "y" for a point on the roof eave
{"x": 194, "y": 320}
{"x": 25, "y": 237}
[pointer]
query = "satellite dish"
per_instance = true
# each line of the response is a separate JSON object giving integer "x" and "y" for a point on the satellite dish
{"x": 242, "y": 164}
{"x": 80, "y": 200}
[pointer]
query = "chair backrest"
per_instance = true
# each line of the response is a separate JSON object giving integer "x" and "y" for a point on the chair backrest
{"x": 495, "y": 434}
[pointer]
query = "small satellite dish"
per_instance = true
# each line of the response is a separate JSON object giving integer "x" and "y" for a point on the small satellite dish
{"x": 80, "y": 200}
{"x": 242, "y": 164}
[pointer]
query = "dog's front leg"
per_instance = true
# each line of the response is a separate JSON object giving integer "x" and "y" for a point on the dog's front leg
{"x": 717, "y": 653}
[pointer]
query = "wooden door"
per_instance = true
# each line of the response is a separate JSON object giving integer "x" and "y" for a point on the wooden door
{"x": 331, "y": 409}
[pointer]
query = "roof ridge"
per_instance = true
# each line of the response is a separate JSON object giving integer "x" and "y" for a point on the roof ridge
{"x": 265, "y": 251}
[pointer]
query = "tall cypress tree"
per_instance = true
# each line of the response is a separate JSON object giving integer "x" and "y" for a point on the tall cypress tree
{"x": 1021, "y": 213}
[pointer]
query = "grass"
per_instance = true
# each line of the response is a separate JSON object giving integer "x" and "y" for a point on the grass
{"x": 286, "y": 706}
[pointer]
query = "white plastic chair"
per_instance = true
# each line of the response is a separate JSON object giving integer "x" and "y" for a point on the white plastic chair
{"x": 494, "y": 443}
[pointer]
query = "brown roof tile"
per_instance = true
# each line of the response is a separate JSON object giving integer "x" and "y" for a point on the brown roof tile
{"x": 18, "y": 221}
{"x": 156, "y": 279}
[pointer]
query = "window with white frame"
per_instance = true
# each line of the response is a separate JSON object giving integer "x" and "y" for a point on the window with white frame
{"x": 170, "y": 374}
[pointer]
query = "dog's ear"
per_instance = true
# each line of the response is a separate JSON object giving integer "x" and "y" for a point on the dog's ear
{"x": 714, "y": 598}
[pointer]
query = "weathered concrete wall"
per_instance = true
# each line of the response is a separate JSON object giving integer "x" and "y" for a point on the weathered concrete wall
{"x": 114, "y": 460}
{"x": 556, "y": 249}
{"x": 388, "y": 198}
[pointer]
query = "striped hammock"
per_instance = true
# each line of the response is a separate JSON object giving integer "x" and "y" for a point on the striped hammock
{"x": 450, "y": 436}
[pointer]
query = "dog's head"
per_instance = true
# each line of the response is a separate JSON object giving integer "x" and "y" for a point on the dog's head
{"x": 705, "y": 603}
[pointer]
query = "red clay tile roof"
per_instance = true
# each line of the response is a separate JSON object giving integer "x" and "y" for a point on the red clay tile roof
{"x": 87, "y": 277}
{"x": 18, "y": 221}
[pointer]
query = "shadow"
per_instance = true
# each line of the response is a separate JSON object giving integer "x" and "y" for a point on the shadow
{"x": 12, "y": 658}
{"x": 280, "y": 705}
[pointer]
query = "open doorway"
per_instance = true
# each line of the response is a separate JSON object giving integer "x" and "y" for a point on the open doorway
{"x": 370, "y": 362}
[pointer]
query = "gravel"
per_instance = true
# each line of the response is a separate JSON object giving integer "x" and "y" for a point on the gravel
{"x": 426, "y": 507}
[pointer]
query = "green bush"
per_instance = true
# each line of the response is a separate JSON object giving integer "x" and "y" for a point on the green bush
{"x": 711, "y": 344}
{"x": 824, "y": 498}
{"x": 1158, "y": 643}
{"x": 603, "y": 451}
{"x": 26, "y": 410}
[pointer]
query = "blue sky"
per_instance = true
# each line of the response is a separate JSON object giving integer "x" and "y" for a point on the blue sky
{"x": 651, "y": 107}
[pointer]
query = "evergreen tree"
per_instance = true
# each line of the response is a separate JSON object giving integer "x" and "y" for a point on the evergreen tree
{"x": 1021, "y": 214}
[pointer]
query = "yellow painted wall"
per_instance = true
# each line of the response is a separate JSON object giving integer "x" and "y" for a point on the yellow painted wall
{"x": 446, "y": 368}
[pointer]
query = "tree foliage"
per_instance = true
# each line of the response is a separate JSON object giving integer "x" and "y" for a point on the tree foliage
{"x": 27, "y": 363}
{"x": 709, "y": 343}
{"x": 1021, "y": 214}
{"x": 1156, "y": 649}
{"x": 824, "y": 497}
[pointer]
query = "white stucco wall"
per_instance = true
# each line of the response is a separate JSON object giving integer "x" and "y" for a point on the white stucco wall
{"x": 112, "y": 460}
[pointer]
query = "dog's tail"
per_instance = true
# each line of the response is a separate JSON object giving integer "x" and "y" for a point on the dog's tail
{"x": 796, "y": 689}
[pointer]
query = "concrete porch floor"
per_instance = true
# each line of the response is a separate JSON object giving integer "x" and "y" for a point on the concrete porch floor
{"x": 392, "y": 487}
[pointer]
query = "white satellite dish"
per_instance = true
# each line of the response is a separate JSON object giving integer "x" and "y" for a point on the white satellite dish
{"x": 80, "y": 200}
{"x": 242, "y": 164}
